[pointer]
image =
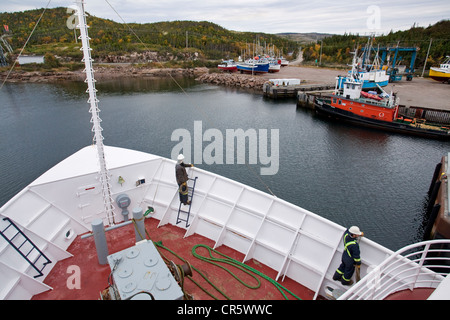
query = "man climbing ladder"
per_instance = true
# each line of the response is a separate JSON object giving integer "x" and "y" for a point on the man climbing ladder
{"x": 185, "y": 192}
{"x": 182, "y": 178}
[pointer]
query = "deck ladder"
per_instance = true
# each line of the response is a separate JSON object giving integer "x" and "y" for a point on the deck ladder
{"x": 191, "y": 189}
{"x": 14, "y": 236}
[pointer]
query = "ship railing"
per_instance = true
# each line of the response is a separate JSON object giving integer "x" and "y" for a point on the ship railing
{"x": 421, "y": 265}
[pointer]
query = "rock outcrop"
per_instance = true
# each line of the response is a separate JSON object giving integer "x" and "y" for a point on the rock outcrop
{"x": 101, "y": 72}
{"x": 233, "y": 80}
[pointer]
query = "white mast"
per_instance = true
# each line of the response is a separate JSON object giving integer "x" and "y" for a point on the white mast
{"x": 94, "y": 110}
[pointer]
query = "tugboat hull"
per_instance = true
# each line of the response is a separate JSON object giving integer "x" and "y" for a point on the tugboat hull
{"x": 325, "y": 109}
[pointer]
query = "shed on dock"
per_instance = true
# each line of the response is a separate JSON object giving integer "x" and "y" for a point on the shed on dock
{"x": 24, "y": 59}
{"x": 284, "y": 82}
{"x": 280, "y": 88}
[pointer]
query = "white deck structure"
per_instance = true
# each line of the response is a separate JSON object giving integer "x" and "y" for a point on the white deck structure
{"x": 65, "y": 200}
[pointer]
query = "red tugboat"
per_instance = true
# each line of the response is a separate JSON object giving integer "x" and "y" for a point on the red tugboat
{"x": 370, "y": 109}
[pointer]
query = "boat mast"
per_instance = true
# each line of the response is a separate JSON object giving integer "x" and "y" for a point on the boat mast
{"x": 354, "y": 72}
{"x": 94, "y": 110}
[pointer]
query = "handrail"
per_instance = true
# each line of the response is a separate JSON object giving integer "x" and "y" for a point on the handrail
{"x": 421, "y": 265}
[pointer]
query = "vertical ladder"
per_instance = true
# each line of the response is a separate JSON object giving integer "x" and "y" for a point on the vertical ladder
{"x": 187, "y": 213}
{"x": 25, "y": 248}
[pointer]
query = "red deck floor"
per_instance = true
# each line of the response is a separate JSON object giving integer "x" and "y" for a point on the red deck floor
{"x": 94, "y": 277}
{"x": 416, "y": 294}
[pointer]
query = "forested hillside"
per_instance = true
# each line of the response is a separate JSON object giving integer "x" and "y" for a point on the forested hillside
{"x": 337, "y": 49}
{"x": 179, "y": 40}
{"x": 111, "y": 38}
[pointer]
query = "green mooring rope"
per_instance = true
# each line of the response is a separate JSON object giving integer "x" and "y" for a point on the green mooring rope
{"x": 160, "y": 245}
{"x": 232, "y": 262}
{"x": 242, "y": 266}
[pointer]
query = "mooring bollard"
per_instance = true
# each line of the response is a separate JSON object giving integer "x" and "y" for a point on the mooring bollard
{"x": 139, "y": 226}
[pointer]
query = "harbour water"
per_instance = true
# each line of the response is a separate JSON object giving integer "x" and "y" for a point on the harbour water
{"x": 350, "y": 175}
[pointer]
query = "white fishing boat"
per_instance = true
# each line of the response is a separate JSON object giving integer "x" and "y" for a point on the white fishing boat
{"x": 56, "y": 232}
{"x": 283, "y": 61}
{"x": 371, "y": 75}
{"x": 274, "y": 66}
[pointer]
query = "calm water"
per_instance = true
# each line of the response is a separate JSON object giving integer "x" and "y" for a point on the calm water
{"x": 350, "y": 175}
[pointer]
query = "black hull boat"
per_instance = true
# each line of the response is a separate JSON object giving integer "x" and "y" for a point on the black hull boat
{"x": 324, "y": 108}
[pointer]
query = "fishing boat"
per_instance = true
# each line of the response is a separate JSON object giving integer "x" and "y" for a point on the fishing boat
{"x": 255, "y": 65}
{"x": 228, "y": 65}
{"x": 283, "y": 62}
{"x": 371, "y": 79}
{"x": 107, "y": 223}
{"x": 370, "y": 75}
{"x": 372, "y": 109}
{"x": 274, "y": 65}
{"x": 441, "y": 74}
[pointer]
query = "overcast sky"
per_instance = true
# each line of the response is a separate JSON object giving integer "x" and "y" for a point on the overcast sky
{"x": 269, "y": 16}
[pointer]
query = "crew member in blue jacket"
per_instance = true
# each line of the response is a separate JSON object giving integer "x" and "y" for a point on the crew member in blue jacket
{"x": 351, "y": 257}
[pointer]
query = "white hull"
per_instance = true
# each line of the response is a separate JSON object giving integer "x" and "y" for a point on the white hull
{"x": 63, "y": 202}
{"x": 442, "y": 70}
{"x": 66, "y": 199}
{"x": 274, "y": 67}
{"x": 284, "y": 62}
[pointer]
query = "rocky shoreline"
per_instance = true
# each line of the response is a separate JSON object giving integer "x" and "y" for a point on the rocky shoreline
{"x": 233, "y": 80}
{"x": 101, "y": 72}
{"x": 112, "y": 71}
{"x": 419, "y": 92}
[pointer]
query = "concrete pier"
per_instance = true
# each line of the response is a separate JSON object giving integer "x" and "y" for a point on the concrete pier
{"x": 276, "y": 91}
{"x": 307, "y": 99}
{"x": 422, "y": 92}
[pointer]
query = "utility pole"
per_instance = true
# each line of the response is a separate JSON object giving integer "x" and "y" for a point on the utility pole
{"x": 186, "y": 39}
{"x": 425, "y": 63}
{"x": 320, "y": 57}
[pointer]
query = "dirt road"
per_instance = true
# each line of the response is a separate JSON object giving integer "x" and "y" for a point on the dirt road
{"x": 420, "y": 92}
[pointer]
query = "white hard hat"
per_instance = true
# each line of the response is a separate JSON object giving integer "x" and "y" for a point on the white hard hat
{"x": 355, "y": 230}
{"x": 180, "y": 157}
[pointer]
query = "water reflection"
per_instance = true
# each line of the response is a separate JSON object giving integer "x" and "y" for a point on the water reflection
{"x": 350, "y": 175}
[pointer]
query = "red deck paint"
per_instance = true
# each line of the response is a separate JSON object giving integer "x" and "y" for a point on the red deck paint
{"x": 94, "y": 277}
{"x": 416, "y": 294}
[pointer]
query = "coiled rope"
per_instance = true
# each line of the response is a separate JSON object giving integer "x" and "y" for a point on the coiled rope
{"x": 253, "y": 273}
{"x": 160, "y": 245}
{"x": 242, "y": 266}
{"x": 215, "y": 261}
